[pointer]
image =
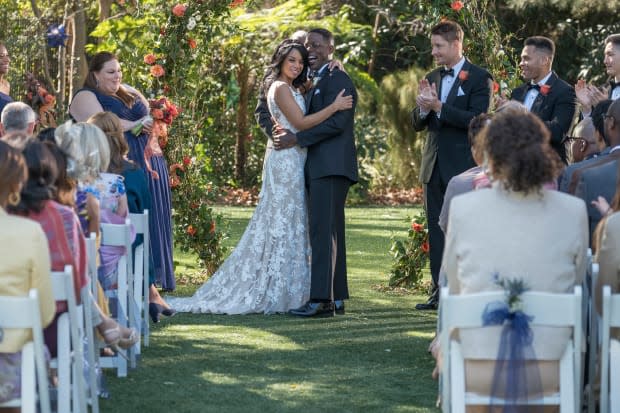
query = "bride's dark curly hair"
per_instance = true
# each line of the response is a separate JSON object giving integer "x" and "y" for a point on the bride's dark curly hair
{"x": 517, "y": 145}
{"x": 275, "y": 68}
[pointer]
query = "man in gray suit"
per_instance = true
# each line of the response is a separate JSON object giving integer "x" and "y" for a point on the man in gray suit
{"x": 601, "y": 177}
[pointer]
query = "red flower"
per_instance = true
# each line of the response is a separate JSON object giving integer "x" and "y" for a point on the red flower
{"x": 212, "y": 227}
{"x": 157, "y": 114}
{"x": 191, "y": 43}
{"x": 545, "y": 89}
{"x": 179, "y": 10}
{"x": 235, "y": 3}
{"x": 191, "y": 230}
{"x": 174, "y": 181}
{"x": 150, "y": 59}
{"x": 417, "y": 227}
{"x": 425, "y": 247}
{"x": 495, "y": 87}
{"x": 157, "y": 71}
{"x": 457, "y": 5}
{"x": 463, "y": 75}
{"x": 187, "y": 160}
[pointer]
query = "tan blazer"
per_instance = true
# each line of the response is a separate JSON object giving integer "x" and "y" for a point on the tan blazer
{"x": 24, "y": 264}
{"x": 608, "y": 258}
{"x": 540, "y": 238}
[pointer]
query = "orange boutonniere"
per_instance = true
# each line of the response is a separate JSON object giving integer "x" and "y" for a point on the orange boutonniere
{"x": 463, "y": 75}
{"x": 545, "y": 89}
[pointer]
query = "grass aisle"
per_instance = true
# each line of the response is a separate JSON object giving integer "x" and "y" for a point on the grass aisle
{"x": 373, "y": 359}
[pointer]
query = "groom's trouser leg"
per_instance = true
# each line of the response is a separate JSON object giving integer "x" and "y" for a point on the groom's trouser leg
{"x": 327, "y": 198}
{"x": 434, "y": 192}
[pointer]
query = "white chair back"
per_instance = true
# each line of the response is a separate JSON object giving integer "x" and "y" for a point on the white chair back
{"x": 610, "y": 353}
{"x": 119, "y": 235}
{"x": 548, "y": 309}
{"x": 24, "y": 312}
{"x": 141, "y": 259}
{"x": 69, "y": 360}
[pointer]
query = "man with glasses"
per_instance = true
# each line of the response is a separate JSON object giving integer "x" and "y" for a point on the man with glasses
{"x": 582, "y": 145}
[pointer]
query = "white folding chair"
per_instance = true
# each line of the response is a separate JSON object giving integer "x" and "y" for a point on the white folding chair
{"x": 140, "y": 261}
{"x": 119, "y": 235}
{"x": 87, "y": 295}
{"x": 465, "y": 311}
{"x": 24, "y": 312}
{"x": 594, "y": 322}
{"x": 69, "y": 361}
{"x": 610, "y": 353}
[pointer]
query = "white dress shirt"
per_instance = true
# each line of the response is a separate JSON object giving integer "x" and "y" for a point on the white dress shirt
{"x": 532, "y": 94}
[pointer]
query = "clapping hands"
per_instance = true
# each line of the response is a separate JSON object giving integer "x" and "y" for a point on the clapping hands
{"x": 427, "y": 98}
{"x": 589, "y": 95}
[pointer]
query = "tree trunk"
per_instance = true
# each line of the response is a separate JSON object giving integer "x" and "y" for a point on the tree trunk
{"x": 375, "y": 36}
{"x": 79, "y": 67}
{"x": 243, "y": 80}
{"x": 104, "y": 9}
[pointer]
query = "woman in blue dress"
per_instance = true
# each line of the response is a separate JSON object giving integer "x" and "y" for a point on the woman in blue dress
{"x": 103, "y": 91}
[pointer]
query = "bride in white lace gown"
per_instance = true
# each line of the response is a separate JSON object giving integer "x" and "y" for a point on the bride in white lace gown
{"x": 269, "y": 270}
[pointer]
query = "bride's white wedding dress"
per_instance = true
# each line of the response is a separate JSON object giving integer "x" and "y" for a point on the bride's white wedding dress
{"x": 269, "y": 270}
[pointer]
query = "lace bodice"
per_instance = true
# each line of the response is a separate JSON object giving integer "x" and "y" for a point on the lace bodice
{"x": 275, "y": 110}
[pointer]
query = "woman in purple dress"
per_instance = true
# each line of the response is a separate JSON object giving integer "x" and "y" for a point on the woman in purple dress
{"x": 103, "y": 91}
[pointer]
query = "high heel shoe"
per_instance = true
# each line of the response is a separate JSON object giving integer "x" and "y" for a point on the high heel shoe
{"x": 112, "y": 336}
{"x": 154, "y": 311}
{"x": 127, "y": 342}
{"x": 169, "y": 312}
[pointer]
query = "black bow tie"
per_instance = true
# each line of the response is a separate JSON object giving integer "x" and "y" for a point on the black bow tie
{"x": 446, "y": 72}
{"x": 531, "y": 86}
{"x": 613, "y": 84}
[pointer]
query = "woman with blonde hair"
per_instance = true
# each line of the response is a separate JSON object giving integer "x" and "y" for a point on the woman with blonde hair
{"x": 138, "y": 196}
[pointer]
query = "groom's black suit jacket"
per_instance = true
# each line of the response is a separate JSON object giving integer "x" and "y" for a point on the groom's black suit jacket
{"x": 447, "y": 144}
{"x": 557, "y": 109}
{"x": 331, "y": 144}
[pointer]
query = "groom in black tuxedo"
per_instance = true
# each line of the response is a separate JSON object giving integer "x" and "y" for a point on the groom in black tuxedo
{"x": 544, "y": 93}
{"x": 331, "y": 168}
{"x": 448, "y": 98}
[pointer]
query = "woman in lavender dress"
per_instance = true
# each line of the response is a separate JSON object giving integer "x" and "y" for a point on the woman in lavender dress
{"x": 103, "y": 91}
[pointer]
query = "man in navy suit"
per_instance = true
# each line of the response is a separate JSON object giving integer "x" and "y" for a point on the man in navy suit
{"x": 331, "y": 168}
{"x": 448, "y": 98}
{"x": 544, "y": 93}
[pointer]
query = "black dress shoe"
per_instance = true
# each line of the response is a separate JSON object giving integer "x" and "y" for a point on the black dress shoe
{"x": 431, "y": 305}
{"x": 168, "y": 312}
{"x": 314, "y": 310}
{"x": 339, "y": 307}
{"x": 154, "y": 311}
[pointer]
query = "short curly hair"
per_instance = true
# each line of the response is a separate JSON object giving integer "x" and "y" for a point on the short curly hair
{"x": 517, "y": 145}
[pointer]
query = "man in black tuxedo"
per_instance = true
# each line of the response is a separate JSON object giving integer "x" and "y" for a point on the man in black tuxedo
{"x": 331, "y": 168}
{"x": 448, "y": 98}
{"x": 544, "y": 93}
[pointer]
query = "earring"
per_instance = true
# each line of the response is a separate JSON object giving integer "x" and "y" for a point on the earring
{"x": 14, "y": 198}
{"x": 97, "y": 83}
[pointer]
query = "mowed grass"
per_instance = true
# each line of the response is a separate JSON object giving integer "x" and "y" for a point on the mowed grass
{"x": 373, "y": 359}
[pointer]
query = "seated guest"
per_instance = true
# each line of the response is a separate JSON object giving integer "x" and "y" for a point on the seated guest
{"x": 17, "y": 122}
{"x": 583, "y": 144}
{"x": 516, "y": 229}
{"x": 600, "y": 177}
{"x": 87, "y": 146}
{"x": 110, "y": 330}
{"x": 464, "y": 182}
{"x": 138, "y": 195}
{"x": 567, "y": 182}
{"x": 608, "y": 248}
{"x": 25, "y": 264}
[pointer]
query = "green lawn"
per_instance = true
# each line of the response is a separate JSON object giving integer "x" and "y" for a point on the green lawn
{"x": 373, "y": 359}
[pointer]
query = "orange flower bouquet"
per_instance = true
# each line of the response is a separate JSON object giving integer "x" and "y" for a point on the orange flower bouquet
{"x": 411, "y": 255}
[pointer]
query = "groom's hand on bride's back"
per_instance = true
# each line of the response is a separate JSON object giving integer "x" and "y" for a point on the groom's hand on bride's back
{"x": 284, "y": 139}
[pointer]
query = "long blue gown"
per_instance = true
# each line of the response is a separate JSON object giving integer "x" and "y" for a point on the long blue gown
{"x": 161, "y": 211}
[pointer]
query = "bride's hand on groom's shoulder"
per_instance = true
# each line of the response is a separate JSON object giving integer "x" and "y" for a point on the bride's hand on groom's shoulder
{"x": 283, "y": 138}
